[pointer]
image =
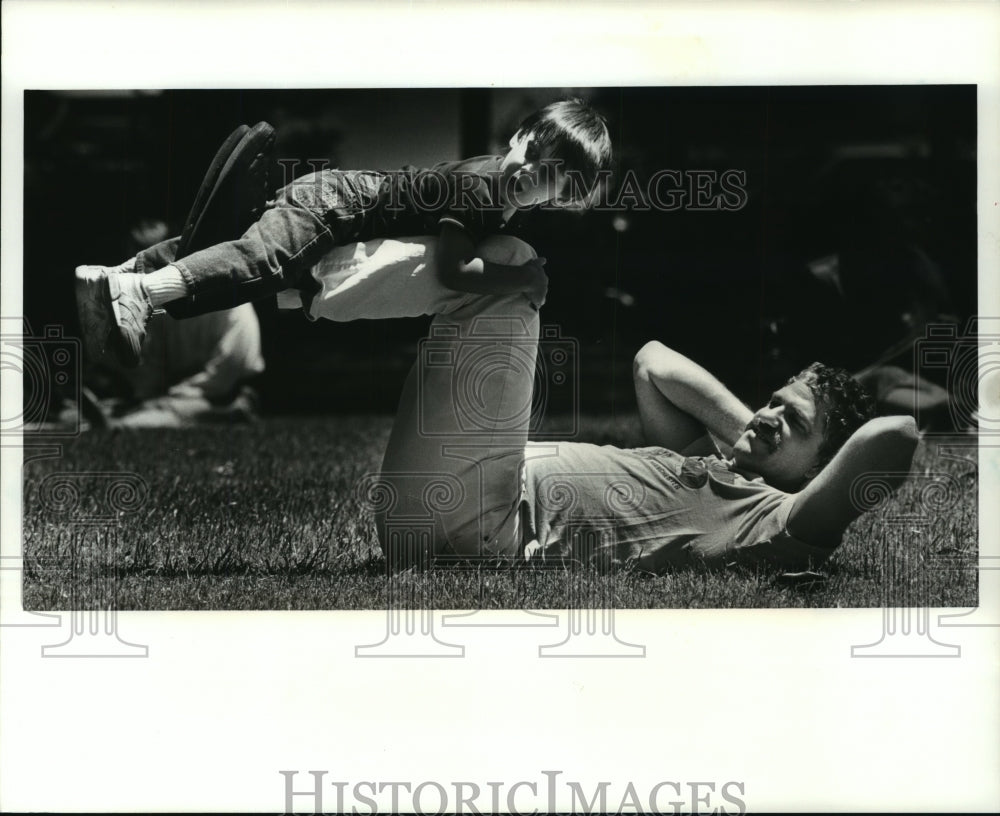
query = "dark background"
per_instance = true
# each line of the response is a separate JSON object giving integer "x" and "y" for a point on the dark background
{"x": 882, "y": 177}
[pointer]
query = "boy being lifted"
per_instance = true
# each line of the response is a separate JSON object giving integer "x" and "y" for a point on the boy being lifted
{"x": 557, "y": 154}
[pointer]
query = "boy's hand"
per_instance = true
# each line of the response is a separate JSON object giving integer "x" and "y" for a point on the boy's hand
{"x": 538, "y": 288}
{"x": 460, "y": 269}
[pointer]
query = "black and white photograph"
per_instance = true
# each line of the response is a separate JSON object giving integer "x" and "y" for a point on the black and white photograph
{"x": 536, "y": 328}
{"x": 338, "y": 402}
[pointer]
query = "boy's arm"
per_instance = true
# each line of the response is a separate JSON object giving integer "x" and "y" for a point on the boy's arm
{"x": 460, "y": 269}
{"x": 679, "y": 400}
{"x": 824, "y": 508}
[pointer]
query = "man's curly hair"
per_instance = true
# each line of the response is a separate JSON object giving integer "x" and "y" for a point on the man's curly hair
{"x": 845, "y": 402}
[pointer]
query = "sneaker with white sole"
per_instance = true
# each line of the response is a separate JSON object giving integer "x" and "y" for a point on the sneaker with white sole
{"x": 114, "y": 310}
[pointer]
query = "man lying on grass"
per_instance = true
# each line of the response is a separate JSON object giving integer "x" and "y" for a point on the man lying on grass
{"x": 459, "y": 479}
{"x": 724, "y": 484}
{"x": 719, "y": 484}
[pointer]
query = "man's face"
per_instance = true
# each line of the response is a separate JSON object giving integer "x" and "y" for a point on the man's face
{"x": 782, "y": 441}
{"x": 531, "y": 175}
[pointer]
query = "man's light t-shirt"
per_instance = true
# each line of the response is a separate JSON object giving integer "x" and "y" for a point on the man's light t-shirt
{"x": 654, "y": 509}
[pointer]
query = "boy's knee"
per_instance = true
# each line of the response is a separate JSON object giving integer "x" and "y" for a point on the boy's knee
{"x": 505, "y": 249}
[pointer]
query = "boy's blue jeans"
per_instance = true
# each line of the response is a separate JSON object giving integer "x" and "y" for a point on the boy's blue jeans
{"x": 307, "y": 218}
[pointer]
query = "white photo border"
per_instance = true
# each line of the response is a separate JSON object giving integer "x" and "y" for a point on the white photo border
{"x": 768, "y": 698}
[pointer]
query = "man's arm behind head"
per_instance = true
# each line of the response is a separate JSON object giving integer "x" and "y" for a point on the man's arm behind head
{"x": 826, "y": 506}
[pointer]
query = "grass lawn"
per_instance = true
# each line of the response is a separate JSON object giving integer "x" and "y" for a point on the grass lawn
{"x": 265, "y": 517}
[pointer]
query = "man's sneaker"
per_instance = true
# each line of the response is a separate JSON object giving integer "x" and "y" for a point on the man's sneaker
{"x": 114, "y": 311}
